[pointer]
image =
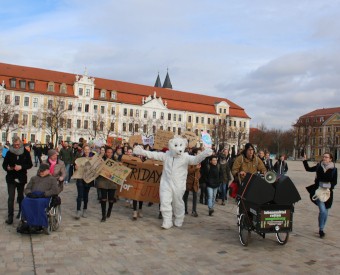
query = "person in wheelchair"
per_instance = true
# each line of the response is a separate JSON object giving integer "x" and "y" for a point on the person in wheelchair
{"x": 37, "y": 198}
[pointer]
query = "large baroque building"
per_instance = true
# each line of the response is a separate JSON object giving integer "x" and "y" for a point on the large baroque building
{"x": 97, "y": 108}
{"x": 318, "y": 132}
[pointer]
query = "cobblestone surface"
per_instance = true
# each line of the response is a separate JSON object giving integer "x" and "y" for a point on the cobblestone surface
{"x": 204, "y": 245}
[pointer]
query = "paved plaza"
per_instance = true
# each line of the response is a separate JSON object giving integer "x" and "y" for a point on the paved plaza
{"x": 204, "y": 245}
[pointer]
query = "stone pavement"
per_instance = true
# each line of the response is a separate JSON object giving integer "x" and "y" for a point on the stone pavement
{"x": 204, "y": 245}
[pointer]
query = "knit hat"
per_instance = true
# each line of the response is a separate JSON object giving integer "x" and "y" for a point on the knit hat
{"x": 51, "y": 152}
{"x": 43, "y": 167}
{"x": 248, "y": 145}
{"x": 165, "y": 149}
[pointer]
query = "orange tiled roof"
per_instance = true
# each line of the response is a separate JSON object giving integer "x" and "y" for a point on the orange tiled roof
{"x": 326, "y": 113}
{"x": 126, "y": 92}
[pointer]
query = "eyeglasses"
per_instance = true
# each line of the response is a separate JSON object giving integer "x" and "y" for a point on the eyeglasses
{"x": 325, "y": 157}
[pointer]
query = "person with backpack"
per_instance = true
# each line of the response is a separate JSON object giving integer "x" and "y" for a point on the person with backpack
{"x": 213, "y": 177}
{"x": 326, "y": 177}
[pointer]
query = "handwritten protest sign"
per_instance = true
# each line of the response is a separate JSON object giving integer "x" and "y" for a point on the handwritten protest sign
{"x": 206, "y": 140}
{"x": 142, "y": 184}
{"x": 148, "y": 140}
{"x": 190, "y": 137}
{"x": 99, "y": 142}
{"x": 135, "y": 139}
{"x": 92, "y": 168}
{"x": 154, "y": 162}
{"x": 114, "y": 142}
{"x": 79, "y": 173}
{"x": 162, "y": 139}
{"x": 126, "y": 157}
{"x": 115, "y": 172}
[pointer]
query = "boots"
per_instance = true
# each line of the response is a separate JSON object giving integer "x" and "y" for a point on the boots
{"x": 9, "y": 220}
{"x": 109, "y": 209}
{"x": 84, "y": 213}
{"x": 134, "y": 215}
{"x": 103, "y": 203}
{"x": 140, "y": 213}
{"x": 19, "y": 213}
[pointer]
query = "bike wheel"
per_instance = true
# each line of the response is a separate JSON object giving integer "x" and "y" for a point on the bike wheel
{"x": 243, "y": 229}
{"x": 49, "y": 229}
{"x": 282, "y": 237}
{"x": 56, "y": 217}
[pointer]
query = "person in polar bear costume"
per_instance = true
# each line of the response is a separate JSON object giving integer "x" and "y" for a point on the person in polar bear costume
{"x": 174, "y": 176}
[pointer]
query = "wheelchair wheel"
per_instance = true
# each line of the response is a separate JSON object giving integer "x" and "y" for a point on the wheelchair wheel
{"x": 282, "y": 237}
{"x": 56, "y": 217}
{"x": 243, "y": 229}
{"x": 49, "y": 229}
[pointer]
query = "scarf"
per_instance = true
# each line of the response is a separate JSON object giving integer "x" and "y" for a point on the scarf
{"x": 18, "y": 151}
{"x": 53, "y": 163}
{"x": 326, "y": 166}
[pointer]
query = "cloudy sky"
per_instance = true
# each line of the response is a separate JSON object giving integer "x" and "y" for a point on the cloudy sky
{"x": 277, "y": 59}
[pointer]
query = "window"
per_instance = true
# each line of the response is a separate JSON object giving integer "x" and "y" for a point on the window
{"x": 32, "y": 138}
{"x": 131, "y": 112}
{"x": 47, "y": 138}
{"x": 145, "y": 114}
{"x": 244, "y": 124}
{"x": 230, "y": 123}
{"x": 328, "y": 140}
{"x": 154, "y": 115}
{"x": 87, "y": 92}
{"x": 136, "y": 128}
{"x": 34, "y": 121}
{"x": 137, "y": 113}
{"x": 112, "y": 126}
{"x": 95, "y": 109}
{"x": 16, "y": 119}
{"x": 8, "y": 99}
{"x": 202, "y": 120}
{"x": 220, "y": 122}
{"x": 336, "y": 140}
{"x": 220, "y": 110}
{"x": 31, "y": 85}
{"x": 179, "y": 117}
{"x": 179, "y": 131}
{"x": 124, "y": 127}
{"x": 35, "y": 102}
{"x": 130, "y": 127}
{"x": 78, "y": 123}
{"x": 13, "y": 82}
{"x": 234, "y": 135}
{"x": 125, "y": 112}
{"x": 113, "y": 95}
{"x": 144, "y": 129}
{"x": 320, "y": 140}
{"x": 69, "y": 123}
{"x": 189, "y": 119}
{"x": 94, "y": 125}
{"x": 63, "y": 89}
{"x": 208, "y": 120}
{"x": 86, "y": 124}
{"x": 49, "y": 104}
{"x": 48, "y": 121}
{"x": 175, "y": 117}
{"x": 101, "y": 126}
{"x": 234, "y": 123}
{"x": 153, "y": 129}
{"x": 102, "y": 94}
{"x": 169, "y": 116}
{"x": 328, "y": 129}
{"x": 80, "y": 91}
{"x": 225, "y": 111}
{"x": 240, "y": 123}
{"x": 102, "y": 109}
{"x": 196, "y": 132}
{"x": 320, "y": 130}
{"x": 70, "y": 106}
{"x": 322, "y": 119}
{"x": 26, "y": 101}
{"x": 62, "y": 122}
{"x": 174, "y": 129}
{"x": 113, "y": 110}
{"x": 336, "y": 129}
{"x": 62, "y": 105}
{"x": 50, "y": 88}
{"x": 197, "y": 119}
{"x": 17, "y": 100}
{"x": 320, "y": 152}
{"x": 22, "y": 84}
{"x": 162, "y": 115}
{"x": 214, "y": 121}
{"x": 161, "y": 127}
{"x": 79, "y": 107}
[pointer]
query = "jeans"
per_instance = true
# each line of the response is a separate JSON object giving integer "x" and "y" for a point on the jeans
{"x": 322, "y": 215}
{"x": 194, "y": 201}
{"x": 11, "y": 185}
{"x": 223, "y": 189}
{"x": 36, "y": 159}
{"x": 83, "y": 193}
{"x": 211, "y": 196}
{"x": 68, "y": 171}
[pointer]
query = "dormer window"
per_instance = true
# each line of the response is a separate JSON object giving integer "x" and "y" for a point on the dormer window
{"x": 103, "y": 93}
{"x": 50, "y": 86}
{"x": 13, "y": 82}
{"x": 114, "y": 95}
{"x": 322, "y": 119}
{"x": 22, "y": 84}
{"x": 63, "y": 88}
{"x": 31, "y": 85}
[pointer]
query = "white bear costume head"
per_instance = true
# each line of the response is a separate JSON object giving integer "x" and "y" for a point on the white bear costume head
{"x": 177, "y": 147}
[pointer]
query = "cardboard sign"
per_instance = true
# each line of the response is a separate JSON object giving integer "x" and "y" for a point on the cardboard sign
{"x": 154, "y": 162}
{"x": 148, "y": 140}
{"x": 162, "y": 139}
{"x": 115, "y": 172}
{"x": 142, "y": 184}
{"x": 114, "y": 142}
{"x": 206, "y": 139}
{"x": 79, "y": 173}
{"x": 92, "y": 168}
{"x": 125, "y": 157}
{"x": 190, "y": 137}
{"x": 135, "y": 139}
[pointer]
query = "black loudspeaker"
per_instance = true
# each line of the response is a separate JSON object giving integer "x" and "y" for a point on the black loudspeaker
{"x": 285, "y": 191}
{"x": 256, "y": 190}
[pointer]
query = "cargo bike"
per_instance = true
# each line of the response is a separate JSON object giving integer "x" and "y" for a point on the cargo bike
{"x": 266, "y": 205}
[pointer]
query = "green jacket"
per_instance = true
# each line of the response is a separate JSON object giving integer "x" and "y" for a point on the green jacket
{"x": 66, "y": 155}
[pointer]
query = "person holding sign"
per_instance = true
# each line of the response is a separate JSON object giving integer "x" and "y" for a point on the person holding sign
{"x": 83, "y": 188}
{"x": 174, "y": 175}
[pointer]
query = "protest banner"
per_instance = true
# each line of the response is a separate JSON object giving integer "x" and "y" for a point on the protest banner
{"x": 114, "y": 142}
{"x": 206, "y": 139}
{"x": 126, "y": 157}
{"x": 142, "y": 184}
{"x": 148, "y": 140}
{"x": 112, "y": 170}
{"x": 79, "y": 173}
{"x": 190, "y": 137}
{"x": 99, "y": 142}
{"x": 154, "y": 162}
{"x": 135, "y": 139}
{"x": 92, "y": 168}
{"x": 162, "y": 139}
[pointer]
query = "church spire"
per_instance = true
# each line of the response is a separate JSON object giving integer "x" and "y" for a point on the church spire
{"x": 167, "y": 82}
{"x": 158, "y": 82}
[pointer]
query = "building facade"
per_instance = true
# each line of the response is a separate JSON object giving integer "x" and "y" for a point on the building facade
{"x": 39, "y": 104}
{"x": 318, "y": 132}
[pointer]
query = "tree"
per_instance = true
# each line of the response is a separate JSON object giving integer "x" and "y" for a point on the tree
{"x": 332, "y": 141}
{"x": 220, "y": 132}
{"x": 305, "y": 133}
{"x": 9, "y": 117}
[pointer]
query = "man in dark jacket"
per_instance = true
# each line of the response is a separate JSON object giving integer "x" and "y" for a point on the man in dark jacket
{"x": 16, "y": 163}
{"x": 281, "y": 167}
{"x": 66, "y": 155}
{"x": 213, "y": 178}
{"x": 268, "y": 162}
{"x": 38, "y": 150}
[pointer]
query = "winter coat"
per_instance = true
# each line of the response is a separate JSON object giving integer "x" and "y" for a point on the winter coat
{"x": 24, "y": 160}
{"x": 59, "y": 171}
{"x": 269, "y": 164}
{"x": 104, "y": 183}
{"x": 193, "y": 178}
{"x": 226, "y": 172}
{"x": 66, "y": 155}
{"x": 242, "y": 163}
{"x": 38, "y": 150}
{"x": 281, "y": 167}
{"x": 48, "y": 185}
{"x": 323, "y": 177}
{"x": 213, "y": 175}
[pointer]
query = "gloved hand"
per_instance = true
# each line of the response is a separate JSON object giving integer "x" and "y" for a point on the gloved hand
{"x": 42, "y": 195}
{"x": 138, "y": 150}
{"x": 207, "y": 152}
{"x": 31, "y": 195}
